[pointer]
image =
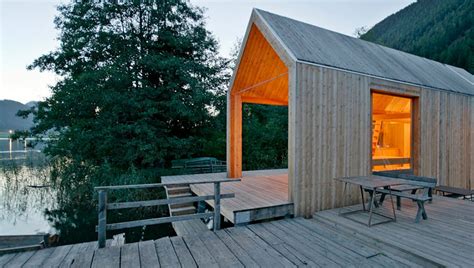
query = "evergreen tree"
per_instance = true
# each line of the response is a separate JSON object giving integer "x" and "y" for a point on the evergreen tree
{"x": 441, "y": 30}
{"x": 140, "y": 85}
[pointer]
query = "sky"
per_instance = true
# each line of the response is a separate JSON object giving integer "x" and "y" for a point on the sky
{"x": 27, "y": 31}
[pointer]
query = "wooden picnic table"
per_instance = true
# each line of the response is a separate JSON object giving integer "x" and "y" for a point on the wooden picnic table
{"x": 372, "y": 183}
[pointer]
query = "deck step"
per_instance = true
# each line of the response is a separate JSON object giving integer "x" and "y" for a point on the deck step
{"x": 183, "y": 211}
{"x": 179, "y": 190}
{"x": 175, "y": 206}
{"x": 179, "y": 195}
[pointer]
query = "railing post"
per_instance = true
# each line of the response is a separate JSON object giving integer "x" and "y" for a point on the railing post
{"x": 217, "y": 206}
{"x": 101, "y": 230}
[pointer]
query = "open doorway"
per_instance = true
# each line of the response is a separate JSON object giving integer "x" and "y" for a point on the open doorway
{"x": 264, "y": 137}
{"x": 392, "y": 137}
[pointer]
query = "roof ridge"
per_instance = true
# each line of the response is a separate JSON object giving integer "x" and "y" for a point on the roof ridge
{"x": 355, "y": 38}
{"x": 311, "y": 43}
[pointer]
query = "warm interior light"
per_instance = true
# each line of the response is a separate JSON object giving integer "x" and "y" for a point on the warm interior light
{"x": 391, "y": 132}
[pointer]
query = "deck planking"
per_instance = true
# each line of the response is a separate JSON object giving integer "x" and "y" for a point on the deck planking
{"x": 260, "y": 195}
{"x": 184, "y": 256}
{"x": 443, "y": 238}
{"x": 188, "y": 227}
{"x": 148, "y": 256}
{"x": 325, "y": 240}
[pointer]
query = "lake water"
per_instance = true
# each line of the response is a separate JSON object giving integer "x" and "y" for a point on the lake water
{"x": 21, "y": 205}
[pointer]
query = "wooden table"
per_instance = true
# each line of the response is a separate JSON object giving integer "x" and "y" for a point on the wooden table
{"x": 371, "y": 183}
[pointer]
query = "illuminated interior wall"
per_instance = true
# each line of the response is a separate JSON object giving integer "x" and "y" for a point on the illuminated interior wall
{"x": 391, "y": 132}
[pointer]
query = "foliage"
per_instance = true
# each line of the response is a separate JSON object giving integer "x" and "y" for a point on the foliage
{"x": 139, "y": 80}
{"x": 360, "y": 31}
{"x": 442, "y": 30}
{"x": 264, "y": 137}
{"x": 142, "y": 85}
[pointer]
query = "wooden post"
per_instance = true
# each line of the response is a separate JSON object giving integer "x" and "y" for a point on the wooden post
{"x": 234, "y": 136}
{"x": 217, "y": 206}
{"x": 101, "y": 230}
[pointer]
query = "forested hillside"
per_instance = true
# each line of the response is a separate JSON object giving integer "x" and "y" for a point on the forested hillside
{"x": 442, "y": 30}
{"x": 8, "y": 118}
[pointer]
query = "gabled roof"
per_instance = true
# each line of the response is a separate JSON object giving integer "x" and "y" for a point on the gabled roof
{"x": 312, "y": 44}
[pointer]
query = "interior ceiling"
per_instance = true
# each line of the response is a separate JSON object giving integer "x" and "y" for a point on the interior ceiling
{"x": 262, "y": 77}
{"x": 383, "y": 104}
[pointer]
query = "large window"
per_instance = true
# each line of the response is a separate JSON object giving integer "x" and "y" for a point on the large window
{"x": 391, "y": 132}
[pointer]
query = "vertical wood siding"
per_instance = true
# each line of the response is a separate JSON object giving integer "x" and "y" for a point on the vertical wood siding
{"x": 332, "y": 137}
{"x": 471, "y": 134}
{"x": 331, "y": 124}
{"x": 446, "y": 137}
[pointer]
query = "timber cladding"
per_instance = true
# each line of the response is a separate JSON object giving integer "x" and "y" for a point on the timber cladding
{"x": 447, "y": 138}
{"x": 332, "y": 135}
{"x": 332, "y": 122}
{"x": 327, "y": 80}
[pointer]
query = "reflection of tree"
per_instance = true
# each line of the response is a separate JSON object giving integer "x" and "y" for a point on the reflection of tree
{"x": 18, "y": 200}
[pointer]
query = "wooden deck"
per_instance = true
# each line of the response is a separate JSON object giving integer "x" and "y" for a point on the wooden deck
{"x": 258, "y": 245}
{"x": 188, "y": 227}
{"x": 445, "y": 239}
{"x": 259, "y": 195}
{"x": 14, "y": 243}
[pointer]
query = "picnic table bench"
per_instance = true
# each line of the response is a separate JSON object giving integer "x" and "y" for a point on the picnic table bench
{"x": 371, "y": 183}
{"x": 413, "y": 184}
{"x": 454, "y": 190}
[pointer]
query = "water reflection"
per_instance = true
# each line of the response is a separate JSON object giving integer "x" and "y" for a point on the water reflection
{"x": 24, "y": 194}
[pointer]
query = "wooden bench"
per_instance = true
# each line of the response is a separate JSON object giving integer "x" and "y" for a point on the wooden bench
{"x": 414, "y": 183}
{"x": 420, "y": 200}
{"x": 454, "y": 190}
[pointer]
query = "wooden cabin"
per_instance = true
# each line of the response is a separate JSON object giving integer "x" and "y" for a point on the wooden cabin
{"x": 354, "y": 107}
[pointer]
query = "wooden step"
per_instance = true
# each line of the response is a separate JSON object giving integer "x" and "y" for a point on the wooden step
{"x": 183, "y": 211}
{"x": 173, "y": 206}
{"x": 179, "y": 190}
{"x": 179, "y": 195}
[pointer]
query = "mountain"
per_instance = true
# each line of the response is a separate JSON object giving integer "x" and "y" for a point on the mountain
{"x": 31, "y": 103}
{"x": 441, "y": 30}
{"x": 8, "y": 118}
